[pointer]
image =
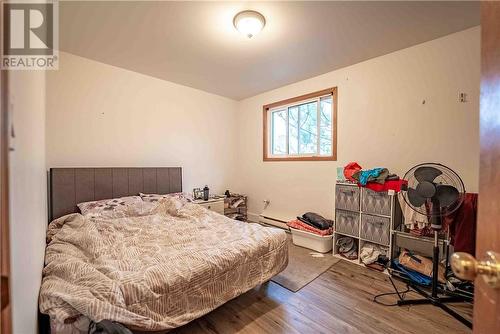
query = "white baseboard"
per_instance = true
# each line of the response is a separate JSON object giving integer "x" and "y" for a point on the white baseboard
{"x": 273, "y": 222}
{"x": 253, "y": 217}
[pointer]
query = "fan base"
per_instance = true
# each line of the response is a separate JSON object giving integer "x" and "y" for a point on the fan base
{"x": 433, "y": 297}
{"x": 437, "y": 301}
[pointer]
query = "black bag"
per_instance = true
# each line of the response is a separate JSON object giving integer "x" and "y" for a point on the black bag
{"x": 315, "y": 220}
{"x": 108, "y": 327}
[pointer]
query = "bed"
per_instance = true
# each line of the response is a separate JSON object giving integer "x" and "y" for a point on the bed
{"x": 153, "y": 269}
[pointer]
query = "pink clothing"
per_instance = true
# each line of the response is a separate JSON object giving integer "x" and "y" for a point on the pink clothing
{"x": 298, "y": 225}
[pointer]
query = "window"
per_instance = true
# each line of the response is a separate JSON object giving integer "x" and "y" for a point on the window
{"x": 302, "y": 128}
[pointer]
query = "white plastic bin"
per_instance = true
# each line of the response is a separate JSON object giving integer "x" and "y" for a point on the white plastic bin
{"x": 321, "y": 244}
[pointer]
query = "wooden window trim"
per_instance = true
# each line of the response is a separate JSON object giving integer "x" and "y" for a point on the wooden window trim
{"x": 265, "y": 109}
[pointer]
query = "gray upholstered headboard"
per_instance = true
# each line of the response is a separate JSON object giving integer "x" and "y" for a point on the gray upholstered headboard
{"x": 70, "y": 186}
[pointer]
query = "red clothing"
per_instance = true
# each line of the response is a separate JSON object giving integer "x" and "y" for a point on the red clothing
{"x": 388, "y": 185}
{"x": 462, "y": 225}
{"x": 350, "y": 169}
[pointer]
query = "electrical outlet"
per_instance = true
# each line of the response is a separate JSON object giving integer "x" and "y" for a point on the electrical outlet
{"x": 462, "y": 97}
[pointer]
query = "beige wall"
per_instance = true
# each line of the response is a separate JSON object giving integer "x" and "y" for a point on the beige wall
{"x": 101, "y": 115}
{"x": 382, "y": 122}
{"x": 28, "y": 201}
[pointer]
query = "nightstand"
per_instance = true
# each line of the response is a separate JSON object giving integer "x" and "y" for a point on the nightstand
{"x": 214, "y": 204}
{"x": 235, "y": 207}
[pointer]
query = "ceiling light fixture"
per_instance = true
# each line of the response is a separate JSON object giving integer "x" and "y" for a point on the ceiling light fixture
{"x": 249, "y": 22}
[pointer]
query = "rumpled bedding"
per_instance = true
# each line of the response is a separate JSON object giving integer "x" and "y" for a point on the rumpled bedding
{"x": 154, "y": 270}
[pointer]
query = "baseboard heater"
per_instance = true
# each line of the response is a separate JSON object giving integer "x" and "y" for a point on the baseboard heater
{"x": 273, "y": 221}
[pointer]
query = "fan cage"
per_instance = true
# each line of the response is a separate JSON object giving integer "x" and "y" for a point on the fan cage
{"x": 448, "y": 177}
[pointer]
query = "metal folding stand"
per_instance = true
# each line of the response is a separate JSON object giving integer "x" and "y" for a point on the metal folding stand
{"x": 433, "y": 297}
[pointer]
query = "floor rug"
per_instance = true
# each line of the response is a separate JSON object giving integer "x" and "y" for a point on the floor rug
{"x": 304, "y": 265}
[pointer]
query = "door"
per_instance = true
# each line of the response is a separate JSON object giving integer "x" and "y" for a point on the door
{"x": 487, "y": 300}
{"x": 5, "y": 312}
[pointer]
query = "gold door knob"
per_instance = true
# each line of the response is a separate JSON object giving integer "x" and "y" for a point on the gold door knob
{"x": 466, "y": 267}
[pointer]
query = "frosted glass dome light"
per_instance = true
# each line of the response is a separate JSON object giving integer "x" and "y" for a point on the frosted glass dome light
{"x": 249, "y": 22}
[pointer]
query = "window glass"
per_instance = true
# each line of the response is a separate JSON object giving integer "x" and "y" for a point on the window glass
{"x": 308, "y": 128}
{"x": 301, "y": 129}
{"x": 325, "y": 126}
{"x": 279, "y": 120}
{"x": 293, "y": 130}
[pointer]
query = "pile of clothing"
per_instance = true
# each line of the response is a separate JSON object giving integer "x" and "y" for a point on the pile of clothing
{"x": 417, "y": 268}
{"x": 374, "y": 256}
{"x": 376, "y": 179}
{"x": 348, "y": 247}
{"x": 313, "y": 223}
{"x": 461, "y": 224}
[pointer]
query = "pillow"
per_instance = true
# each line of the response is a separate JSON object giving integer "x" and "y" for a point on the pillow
{"x": 170, "y": 204}
{"x": 157, "y": 197}
{"x": 109, "y": 208}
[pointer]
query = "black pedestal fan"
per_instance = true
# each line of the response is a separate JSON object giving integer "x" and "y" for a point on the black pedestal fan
{"x": 435, "y": 191}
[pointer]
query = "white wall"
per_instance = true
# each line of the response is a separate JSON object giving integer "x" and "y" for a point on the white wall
{"x": 382, "y": 122}
{"x": 100, "y": 115}
{"x": 28, "y": 200}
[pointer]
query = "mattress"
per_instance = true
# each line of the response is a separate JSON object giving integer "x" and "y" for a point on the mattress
{"x": 155, "y": 271}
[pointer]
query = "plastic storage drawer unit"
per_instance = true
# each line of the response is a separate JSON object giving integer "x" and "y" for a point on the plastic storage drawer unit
{"x": 378, "y": 203}
{"x": 347, "y": 222}
{"x": 347, "y": 197}
{"x": 375, "y": 228}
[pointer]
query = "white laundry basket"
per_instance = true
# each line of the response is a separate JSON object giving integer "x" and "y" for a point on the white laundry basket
{"x": 321, "y": 244}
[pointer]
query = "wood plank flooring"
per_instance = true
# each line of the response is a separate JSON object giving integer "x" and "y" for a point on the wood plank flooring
{"x": 338, "y": 301}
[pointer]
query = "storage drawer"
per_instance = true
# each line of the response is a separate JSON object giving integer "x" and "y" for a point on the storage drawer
{"x": 347, "y": 197}
{"x": 217, "y": 206}
{"x": 375, "y": 228}
{"x": 347, "y": 222}
{"x": 376, "y": 202}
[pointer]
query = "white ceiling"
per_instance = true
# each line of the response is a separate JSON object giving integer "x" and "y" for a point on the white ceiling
{"x": 195, "y": 44}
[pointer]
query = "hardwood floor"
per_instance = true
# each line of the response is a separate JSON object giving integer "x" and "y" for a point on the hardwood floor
{"x": 338, "y": 301}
